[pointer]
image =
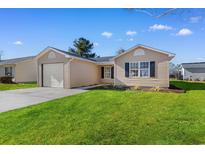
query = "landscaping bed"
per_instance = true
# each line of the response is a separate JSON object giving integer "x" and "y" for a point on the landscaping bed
{"x": 171, "y": 89}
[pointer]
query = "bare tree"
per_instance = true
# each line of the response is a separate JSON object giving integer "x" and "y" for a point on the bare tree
{"x": 179, "y": 14}
{"x": 1, "y": 53}
{"x": 154, "y": 13}
{"x": 119, "y": 51}
{"x": 174, "y": 71}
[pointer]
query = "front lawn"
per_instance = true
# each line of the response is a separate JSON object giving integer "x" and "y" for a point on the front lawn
{"x": 4, "y": 86}
{"x": 109, "y": 117}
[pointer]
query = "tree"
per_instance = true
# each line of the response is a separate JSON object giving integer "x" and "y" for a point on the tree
{"x": 174, "y": 71}
{"x": 176, "y": 14}
{"x": 83, "y": 48}
{"x": 121, "y": 50}
{"x": 1, "y": 53}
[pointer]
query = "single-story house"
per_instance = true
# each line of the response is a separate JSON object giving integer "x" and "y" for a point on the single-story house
{"x": 138, "y": 66}
{"x": 21, "y": 69}
{"x": 193, "y": 71}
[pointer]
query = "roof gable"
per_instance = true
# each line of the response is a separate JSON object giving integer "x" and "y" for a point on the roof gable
{"x": 169, "y": 54}
{"x": 66, "y": 54}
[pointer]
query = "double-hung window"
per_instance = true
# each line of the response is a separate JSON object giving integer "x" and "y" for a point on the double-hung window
{"x": 107, "y": 72}
{"x": 144, "y": 69}
{"x": 8, "y": 71}
{"x": 139, "y": 69}
{"x": 134, "y": 69}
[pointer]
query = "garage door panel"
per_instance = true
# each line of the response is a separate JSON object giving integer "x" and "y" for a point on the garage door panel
{"x": 53, "y": 75}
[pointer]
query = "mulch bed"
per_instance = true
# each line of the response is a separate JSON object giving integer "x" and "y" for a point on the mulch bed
{"x": 167, "y": 90}
{"x": 171, "y": 89}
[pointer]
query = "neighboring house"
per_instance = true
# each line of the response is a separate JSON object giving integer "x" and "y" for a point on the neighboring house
{"x": 138, "y": 66}
{"x": 193, "y": 71}
{"x": 22, "y": 69}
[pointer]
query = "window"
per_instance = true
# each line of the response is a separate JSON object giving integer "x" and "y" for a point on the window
{"x": 107, "y": 72}
{"x": 140, "y": 69}
{"x": 144, "y": 69}
{"x": 8, "y": 71}
{"x": 134, "y": 69}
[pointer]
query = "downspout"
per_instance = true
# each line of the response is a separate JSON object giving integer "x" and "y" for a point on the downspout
{"x": 69, "y": 72}
{"x": 115, "y": 72}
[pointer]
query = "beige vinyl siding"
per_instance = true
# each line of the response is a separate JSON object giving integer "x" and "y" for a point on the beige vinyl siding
{"x": 83, "y": 73}
{"x": 26, "y": 71}
{"x": 111, "y": 81}
{"x": 59, "y": 58}
{"x": 2, "y": 69}
{"x": 105, "y": 80}
{"x": 161, "y": 69}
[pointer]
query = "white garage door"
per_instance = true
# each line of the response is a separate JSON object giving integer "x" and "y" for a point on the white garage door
{"x": 53, "y": 75}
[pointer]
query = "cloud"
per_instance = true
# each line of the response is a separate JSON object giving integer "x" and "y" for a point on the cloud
{"x": 96, "y": 44}
{"x": 131, "y": 33}
{"x": 195, "y": 19}
{"x": 107, "y": 34}
{"x": 184, "y": 32}
{"x": 160, "y": 27}
{"x": 17, "y": 43}
{"x": 199, "y": 58}
{"x": 131, "y": 39}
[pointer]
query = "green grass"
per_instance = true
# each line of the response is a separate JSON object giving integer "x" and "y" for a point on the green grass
{"x": 17, "y": 86}
{"x": 109, "y": 117}
{"x": 189, "y": 85}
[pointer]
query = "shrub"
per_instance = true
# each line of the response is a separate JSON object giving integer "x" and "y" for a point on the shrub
{"x": 197, "y": 79}
{"x": 157, "y": 88}
{"x": 6, "y": 79}
{"x": 136, "y": 87}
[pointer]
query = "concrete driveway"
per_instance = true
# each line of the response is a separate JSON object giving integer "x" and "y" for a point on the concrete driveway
{"x": 13, "y": 99}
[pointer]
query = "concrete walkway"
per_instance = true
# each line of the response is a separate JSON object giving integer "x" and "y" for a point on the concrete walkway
{"x": 13, "y": 99}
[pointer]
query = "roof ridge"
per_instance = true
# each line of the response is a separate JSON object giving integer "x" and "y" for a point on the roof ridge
{"x": 155, "y": 48}
{"x": 71, "y": 53}
{"x": 18, "y": 58}
{"x": 193, "y": 63}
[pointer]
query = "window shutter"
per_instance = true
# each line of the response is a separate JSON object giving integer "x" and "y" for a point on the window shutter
{"x": 102, "y": 72}
{"x": 152, "y": 69}
{"x": 112, "y": 72}
{"x": 126, "y": 69}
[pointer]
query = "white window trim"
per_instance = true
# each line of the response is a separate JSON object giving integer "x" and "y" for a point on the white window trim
{"x": 10, "y": 70}
{"x": 105, "y": 77}
{"x": 139, "y": 70}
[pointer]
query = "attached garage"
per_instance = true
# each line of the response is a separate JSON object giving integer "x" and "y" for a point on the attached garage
{"x": 53, "y": 69}
{"x": 52, "y": 75}
{"x": 59, "y": 69}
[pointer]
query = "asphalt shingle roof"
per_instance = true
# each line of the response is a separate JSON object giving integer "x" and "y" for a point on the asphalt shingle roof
{"x": 99, "y": 59}
{"x": 198, "y": 67}
{"x": 103, "y": 59}
{"x": 194, "y": 65}
{"x": 15, "y": 60}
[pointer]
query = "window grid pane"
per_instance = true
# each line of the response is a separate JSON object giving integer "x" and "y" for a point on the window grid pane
{"x": 144, "y": 65}
{"x": 8, "y": 71}
{"x": 134, "y": 69}
{"x": 139, "y": 69}
{"x": 107, "y": 72}
{"x": 144, "y": 69}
